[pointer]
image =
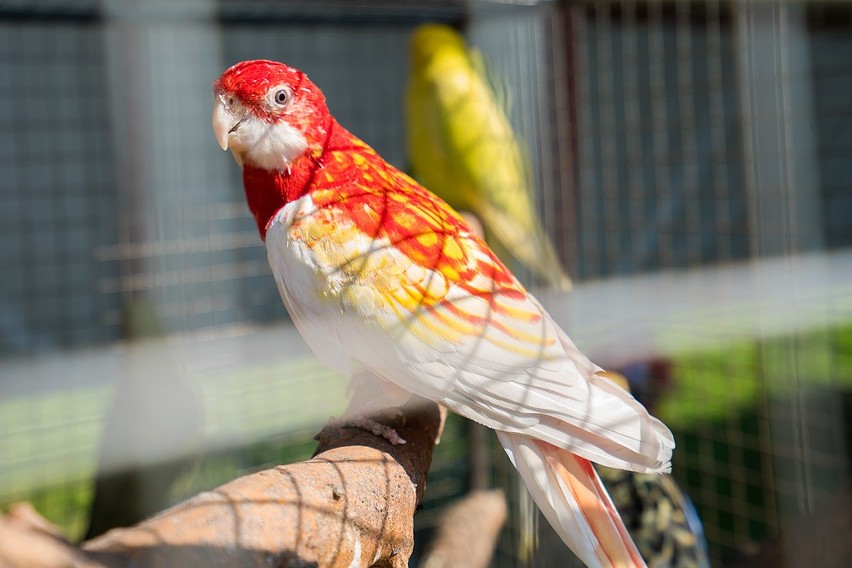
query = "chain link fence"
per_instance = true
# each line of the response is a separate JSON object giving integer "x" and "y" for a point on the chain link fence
{"x": 690, "y": 162}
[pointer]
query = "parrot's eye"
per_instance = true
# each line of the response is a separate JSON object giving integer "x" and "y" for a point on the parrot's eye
{"x": 281, "y": 96}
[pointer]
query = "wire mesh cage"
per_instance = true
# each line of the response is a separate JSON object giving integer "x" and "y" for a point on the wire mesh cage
{"x": 688, "y": 160}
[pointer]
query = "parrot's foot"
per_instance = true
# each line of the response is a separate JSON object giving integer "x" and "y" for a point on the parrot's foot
{"x": 375, "y": 399}
{"x": 373, "y": 427}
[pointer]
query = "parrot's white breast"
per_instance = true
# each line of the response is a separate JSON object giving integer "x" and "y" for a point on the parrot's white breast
{"x": 308, "y": 287}
{"x": 337, "y": 284}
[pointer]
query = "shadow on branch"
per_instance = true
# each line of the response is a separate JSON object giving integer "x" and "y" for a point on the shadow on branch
{"x": 352, "y": 504}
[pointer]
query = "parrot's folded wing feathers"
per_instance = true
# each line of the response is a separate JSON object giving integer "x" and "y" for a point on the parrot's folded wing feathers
{"x": 435, "y": 312}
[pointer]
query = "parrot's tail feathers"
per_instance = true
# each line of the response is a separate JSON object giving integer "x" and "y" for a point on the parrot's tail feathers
{"x": 571, "y": 496}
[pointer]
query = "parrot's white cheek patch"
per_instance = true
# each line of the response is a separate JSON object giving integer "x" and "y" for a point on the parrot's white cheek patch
{"x": 270, "y": 146}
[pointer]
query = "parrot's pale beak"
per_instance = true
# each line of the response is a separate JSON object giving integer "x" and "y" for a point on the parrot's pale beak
{"x": 269, "y": 145}
{"x": 224, "y": 123}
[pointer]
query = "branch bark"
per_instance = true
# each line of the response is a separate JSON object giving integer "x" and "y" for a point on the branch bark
{"x": 351, "y": 505}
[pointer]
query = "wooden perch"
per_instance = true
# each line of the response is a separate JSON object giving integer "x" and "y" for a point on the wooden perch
{"x": 351, "y": 505}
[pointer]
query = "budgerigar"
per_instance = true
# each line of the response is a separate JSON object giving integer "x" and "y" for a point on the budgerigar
{"x": 461, "y": 146}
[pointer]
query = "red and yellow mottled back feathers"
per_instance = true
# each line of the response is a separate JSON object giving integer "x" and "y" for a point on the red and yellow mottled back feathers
{"x": 384, "y": 203}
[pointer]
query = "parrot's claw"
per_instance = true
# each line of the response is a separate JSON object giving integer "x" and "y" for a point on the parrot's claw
{"x": 364, "y": 422}
{"x": 376, "y": 428}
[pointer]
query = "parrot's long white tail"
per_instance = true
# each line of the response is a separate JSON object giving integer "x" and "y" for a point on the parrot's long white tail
{"x": 571, "y": 496}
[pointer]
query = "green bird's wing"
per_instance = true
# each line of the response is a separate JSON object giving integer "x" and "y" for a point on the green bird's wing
{"x": 463, "y": 148}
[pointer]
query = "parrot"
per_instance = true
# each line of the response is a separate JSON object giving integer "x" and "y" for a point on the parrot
{"x": 385, "y": 281}
{"x": 462, "y": 147}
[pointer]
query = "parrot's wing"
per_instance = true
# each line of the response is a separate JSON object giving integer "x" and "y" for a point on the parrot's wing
{"x": 391, "y": 277}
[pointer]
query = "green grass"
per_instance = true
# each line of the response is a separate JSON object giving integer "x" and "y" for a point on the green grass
{"x": 50, "y": 441}
{"x": 714, "y": 384}
{"x": 726, "y": 411}
{"x": 65, "y": 504}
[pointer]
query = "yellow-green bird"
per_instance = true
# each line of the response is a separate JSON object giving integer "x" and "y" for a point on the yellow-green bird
{"x": 462, "y": 147}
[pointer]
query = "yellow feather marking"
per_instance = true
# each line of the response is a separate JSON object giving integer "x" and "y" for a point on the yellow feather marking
{"x": 313, "y": 233}
{"x": 468, "y": 328}
{"x": 427, "y": 239}
{"x": 450, "y": 320}
{"x": 529, "y": 337}
{"x": 443, "y": 331}
{"x": 518, "y": 313}
{"x": 322, "y": 195}
{"x": 408, "y": 320}
{"x": 536, "y": 354}
{"x": 406, "y": 219}
{"x": 413, "y": 298}
{"x": 452, "y": 249}
{"x": 452, "y": 333}
{"x": 440, "y": 322}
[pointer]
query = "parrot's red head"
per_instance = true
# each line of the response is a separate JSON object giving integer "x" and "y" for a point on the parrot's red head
{"x": 268, "y": 114}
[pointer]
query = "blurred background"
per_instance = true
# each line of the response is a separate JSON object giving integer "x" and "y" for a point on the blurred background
{"x": 690, "y": 161}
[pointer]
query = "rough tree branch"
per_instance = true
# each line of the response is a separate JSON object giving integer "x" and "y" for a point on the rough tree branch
{"x": 351, "y": 505}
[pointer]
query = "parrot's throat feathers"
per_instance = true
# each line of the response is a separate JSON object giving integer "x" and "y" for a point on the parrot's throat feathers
{"x": 267, "y": 191}
{"x": 275, "y": 145}
{"x": 270, "y": 189}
